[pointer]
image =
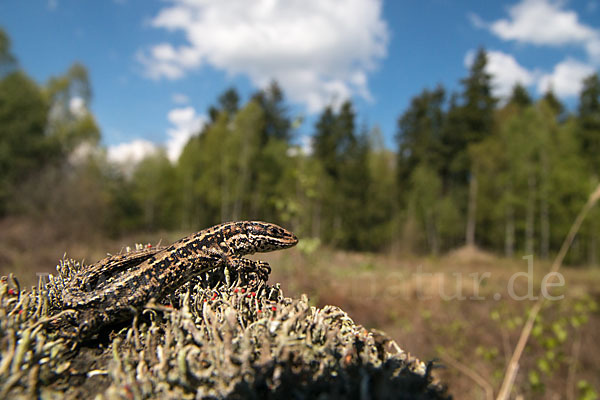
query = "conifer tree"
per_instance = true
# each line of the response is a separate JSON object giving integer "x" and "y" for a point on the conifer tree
{"x": 588, "y": 113}
{"x": 419, "y": 134}
{"x": 277, "y": 122}
{"x": 468, "y": 124}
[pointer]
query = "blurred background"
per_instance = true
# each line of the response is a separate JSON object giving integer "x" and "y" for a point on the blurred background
{"x": 439, "y": 140}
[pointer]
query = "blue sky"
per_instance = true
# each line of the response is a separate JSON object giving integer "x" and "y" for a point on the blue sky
{"x": 156, "y": 66}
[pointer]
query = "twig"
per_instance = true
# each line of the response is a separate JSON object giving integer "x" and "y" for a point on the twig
{"x": 480, "y": 380}
{"x": 513, "y": 365}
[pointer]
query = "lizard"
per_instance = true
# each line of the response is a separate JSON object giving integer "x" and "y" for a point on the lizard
{"x": 111, "y": 290}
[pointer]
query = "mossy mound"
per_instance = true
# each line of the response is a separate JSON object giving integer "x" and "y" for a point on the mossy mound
{"x": 210, "y": 340}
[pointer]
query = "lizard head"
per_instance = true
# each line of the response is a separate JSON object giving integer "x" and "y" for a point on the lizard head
{"x": 257, "y": 237}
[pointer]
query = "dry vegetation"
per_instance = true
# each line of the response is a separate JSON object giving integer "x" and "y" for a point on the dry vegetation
{"x": 474, "y": 338}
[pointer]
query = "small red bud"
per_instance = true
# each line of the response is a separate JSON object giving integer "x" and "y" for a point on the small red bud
{"x": 274, "y": 308}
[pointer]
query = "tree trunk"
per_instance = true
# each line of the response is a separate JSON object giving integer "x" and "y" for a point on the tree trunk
{"x": 224, "y": 191}
{"x": 544, "y": 210}
{"x": 592, "y": 251}
{"x": 432, "y": 236}
{"x": 243, "y": 176}
{"x": 316, "y": 220}
{"x": 509, "y": 232}
{"x": 544, "y": 228}
{"x": 472, "y": 211}
{"x": 149, "y": 212}
{"x": 530, "y": 218}
{"x": 187, "y": 201}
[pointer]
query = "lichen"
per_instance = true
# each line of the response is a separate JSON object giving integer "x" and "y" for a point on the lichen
{"x": 208, "y": 340}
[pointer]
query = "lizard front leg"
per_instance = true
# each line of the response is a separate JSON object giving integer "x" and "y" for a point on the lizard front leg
{"x": 261, "y": 268}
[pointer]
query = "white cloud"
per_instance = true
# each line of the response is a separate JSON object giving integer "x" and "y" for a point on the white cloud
{"x": 566, "y": 78}
{"x": 477, "y": 21}
{"x": 544, "y": 23}
{"x": 186, "y": 124}
{"x": 305, "y": 147}
{"x": 131, "y": 152}
{"x": 505, "y": 71}
{"x": 180, "y": 98}
{"x": 318, "y": 51}
{"x": 83, "y": 152}
{"x": 77, "y": 106}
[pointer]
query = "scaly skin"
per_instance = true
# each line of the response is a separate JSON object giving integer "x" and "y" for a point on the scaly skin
{"x": 110, "y": 290}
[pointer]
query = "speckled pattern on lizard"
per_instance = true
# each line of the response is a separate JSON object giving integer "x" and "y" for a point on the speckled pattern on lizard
{"x": 112, "y": 289}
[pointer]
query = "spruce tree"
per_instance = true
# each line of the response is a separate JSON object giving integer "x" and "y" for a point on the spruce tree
{"x": 589, "y": 122}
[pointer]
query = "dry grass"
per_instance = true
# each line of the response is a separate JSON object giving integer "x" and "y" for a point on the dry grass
{"x": 429, "y": 317}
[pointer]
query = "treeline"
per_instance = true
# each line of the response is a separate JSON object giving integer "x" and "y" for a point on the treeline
{"x": 469, "y": 169}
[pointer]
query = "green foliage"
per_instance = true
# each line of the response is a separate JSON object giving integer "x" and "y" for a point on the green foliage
{"x": 7, "y": 59}
{"x": 426, "y": 190}
{"x": 228, "y": 102}
{"x": 277, "y": 124}
{"x": 586, "y": 391}
{"x": 70, "y": 122}
{"x": 220, "y": 169}
{"x": 24, "y": 147}
{"x": 555, "y": 340}
{"x": 154, "y": 188}
{"x": 470, "y": 121}
{"x": 589, "y": 121}
{"x": 346, "y": 217}
{"x": 419, "y": 135}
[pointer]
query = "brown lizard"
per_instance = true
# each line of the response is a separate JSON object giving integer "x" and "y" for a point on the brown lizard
{"x": 112, "y": 289}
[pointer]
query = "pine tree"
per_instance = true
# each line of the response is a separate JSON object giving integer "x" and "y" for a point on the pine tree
{"x": 471, "y": 120}
{"x": 277, "y": 123}
{"x": 228, "y": 102}
{"x": 519, "y": 97}
{"x": 8, "y": 62}
{"x": 325, "y": 144}
{"x": 419, "y": 135}
{"x": 589, "y": 121}
{"x": 468, "y": 124}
